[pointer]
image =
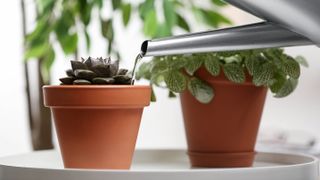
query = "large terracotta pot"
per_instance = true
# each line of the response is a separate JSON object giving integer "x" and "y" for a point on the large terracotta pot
{"x": 97, "y": 126}
{"x": 223, "y": 133}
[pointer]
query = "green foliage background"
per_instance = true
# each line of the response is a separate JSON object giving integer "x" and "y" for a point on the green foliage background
{"x": 64, "y": 21}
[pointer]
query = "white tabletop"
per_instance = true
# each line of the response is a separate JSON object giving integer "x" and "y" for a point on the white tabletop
{"x": 159, "y": 164}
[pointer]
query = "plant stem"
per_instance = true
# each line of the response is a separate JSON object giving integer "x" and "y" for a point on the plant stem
{"x": 25, "y": 64}
{"x": 43, "y": 134}
{"x": 39, "y": 118}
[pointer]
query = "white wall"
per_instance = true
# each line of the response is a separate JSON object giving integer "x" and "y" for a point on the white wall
{"x": 162, "y": 122}
{"x": 13, "y": 122}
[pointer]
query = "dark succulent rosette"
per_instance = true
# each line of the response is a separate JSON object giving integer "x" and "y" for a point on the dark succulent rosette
{"x": 96, "y": 71}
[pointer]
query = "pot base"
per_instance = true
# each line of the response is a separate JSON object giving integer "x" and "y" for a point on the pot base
{"x": 221, "y": 160}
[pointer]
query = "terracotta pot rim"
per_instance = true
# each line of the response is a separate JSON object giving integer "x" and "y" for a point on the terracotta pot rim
{"x": 94, "y": 86}
{"x": 97, "y": 96}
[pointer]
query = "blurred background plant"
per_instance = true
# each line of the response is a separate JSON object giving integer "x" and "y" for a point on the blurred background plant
{"x": 63, "y": 24}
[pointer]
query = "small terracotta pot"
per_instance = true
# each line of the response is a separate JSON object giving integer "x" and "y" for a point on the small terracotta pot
{"x": 223, "y": 133}
{"x": 97, "y": 126}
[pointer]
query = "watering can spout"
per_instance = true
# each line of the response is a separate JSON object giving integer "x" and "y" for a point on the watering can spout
{"x": 287, "y": 23}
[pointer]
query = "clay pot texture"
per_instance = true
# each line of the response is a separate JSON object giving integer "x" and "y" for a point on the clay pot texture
{"x": 97, "y": 125}
{"x": 223, "y": 132}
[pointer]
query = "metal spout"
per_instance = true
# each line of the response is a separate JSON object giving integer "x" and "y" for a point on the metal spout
{"x": 288, "y": 23}
{"x": 300, "y": 16}
{"x": 260, "y": 35}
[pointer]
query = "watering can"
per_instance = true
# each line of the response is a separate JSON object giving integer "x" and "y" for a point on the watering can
{"x": 287, "y": 23}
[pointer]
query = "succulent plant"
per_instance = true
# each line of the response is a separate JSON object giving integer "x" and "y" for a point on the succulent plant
{"x": 96, "y": 71}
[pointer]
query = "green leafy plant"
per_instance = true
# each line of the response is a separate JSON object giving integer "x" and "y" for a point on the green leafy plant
{"x": 98, "y": 71}
{"x": 271, "y": 68}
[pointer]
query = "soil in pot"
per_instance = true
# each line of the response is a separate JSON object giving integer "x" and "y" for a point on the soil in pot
{"x": 97, "y": 126}
{"x": 223, "y": 133}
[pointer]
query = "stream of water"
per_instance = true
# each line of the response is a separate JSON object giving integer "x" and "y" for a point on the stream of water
{"x": 137, "y": 60}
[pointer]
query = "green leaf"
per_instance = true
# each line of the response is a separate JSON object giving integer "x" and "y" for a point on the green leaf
{"x": 172, "y": 94}
{"x": 227, "y": 53}
{"x": 107, "y": 29}
{"x": 85, "y": 12}
{"x": 157, "y": 68}
{"x": 150, "y": 24}
{"x": 234, "y": 73}
{"x": 69, "y": 43}
{"x": 197, "y": 13}
{"x": 157, "y": 72}
{"x": 263, "y": 74}
{"x": 126, "y": 13}
{"x": 291, "y": 67}
{"x": 176, "y": 62}
{"x": 163, "y": 31}
{"x": 214, "y": 18}
{"x": 46, "y": 65}
{"x": 64, "y": 23}
{"x": 232, "y": 59}
{"x": 40, "y": 34}
{"x": 145, "y": 7}
{"x": 158, "y": 65}
{"x": 157, "y": 79}
{"x": 110, "y": 47}
{"x": 277, "y": 82}
{"x": 212, "y": 65}
{"x": 193, "y": 64}
{"x": 275, "y": 56}
{"x": 302, "y": 61}
{"x": 175, "y": 81}
{"x": 99, "y": 3}
{"x": 200, "y": 90}
{"x": 169, "y": 13}
{"x": 144, "y": 71}
{"x": 153, "y": 95}
{"x": 36, "y": 51}
{"x": 49, "y": 59}
{"x": 116, "y": 4}
{"x": 45, "y": 5}
{"x": 288, "y": 87}
{"x": 88, "y": 41}
{"x": 252, "y": 64}
{"x": 182, "y": 23}
{"x": 219, "y": 2}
